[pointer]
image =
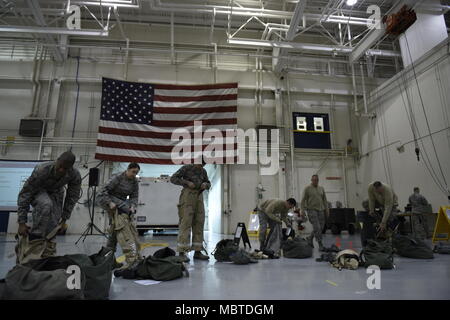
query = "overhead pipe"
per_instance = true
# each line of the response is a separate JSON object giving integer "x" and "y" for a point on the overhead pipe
{"x": 355, "y": 98}
{"x": 33, "y": 79}
{"x": 37, "y": 90}
{"x": 291, "y": 140}
{"x": 157, "y": 5}
{"x": 306, "y": 46}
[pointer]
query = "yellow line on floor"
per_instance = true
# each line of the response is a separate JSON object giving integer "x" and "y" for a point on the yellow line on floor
{"x": 332, "y": 283}
{"x": 145, "y": 245}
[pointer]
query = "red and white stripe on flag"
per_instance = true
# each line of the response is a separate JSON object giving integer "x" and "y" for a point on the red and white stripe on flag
{"x": 174, "y": 110}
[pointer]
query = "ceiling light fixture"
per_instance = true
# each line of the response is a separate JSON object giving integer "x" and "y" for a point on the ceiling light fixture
{"x": 351, "y": 2}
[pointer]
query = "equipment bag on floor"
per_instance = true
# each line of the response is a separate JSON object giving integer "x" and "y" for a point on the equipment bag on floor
{"x": 377, "y": 253}
{"x": 224, "y": 249}
{"x": 98, "y": 271}
{"x": 50, "y": 278}
{"x": 297, "y": 248}
{"x": 411, "y": 247}
{"x": 346, "y": 259}
{"x": 159, "y": 269}
{"x": 242, "y": 257}
{"x": 442, "y": 248}
{"x": 44, "y": 279}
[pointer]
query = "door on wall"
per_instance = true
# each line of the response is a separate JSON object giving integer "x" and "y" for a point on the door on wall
{"x": 213, "y": 199}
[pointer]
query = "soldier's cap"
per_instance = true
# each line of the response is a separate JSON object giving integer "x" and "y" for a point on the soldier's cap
{"x": 67, "y": 159}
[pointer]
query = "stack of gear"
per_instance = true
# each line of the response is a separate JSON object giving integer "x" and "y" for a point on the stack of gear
{"x": 51, "y": 278}
{"x": 411, "y": 247}
{"x": 297, "y": 248}
{"x": 399, "y": 22}
{"x": 264, "y": 254}
{"x": 162, "y": 266}
{"x": 346, "y": 259}
{"x": 378, "y": 253}
{"x": 442, "y": 248}
{"x": 258, "y": 255}
{"x": 228, "y": 251}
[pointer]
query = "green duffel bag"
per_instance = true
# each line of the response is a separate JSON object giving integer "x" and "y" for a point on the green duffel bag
{"x": 163, "y": 269}
{"x": 411, "y": 247}
{"x": 98, "y": 271}
{"x": 378, "y": 253}
{"x": 43, "y": 279}
{"x": 297, "y": 248}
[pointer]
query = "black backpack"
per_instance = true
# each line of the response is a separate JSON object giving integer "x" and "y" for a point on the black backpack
{"x": 164, "y": 253}
{"x": 297, "y": 248}
{"x": 377, "y": 253}
{"x": 411, "y": 247}
{"x": 224, "y": 249}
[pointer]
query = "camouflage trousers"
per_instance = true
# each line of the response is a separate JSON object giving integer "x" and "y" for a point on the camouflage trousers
{"x": 191, "y": 213}
{"x": 419, "y": 225}
{"x": 123, "y": 231}
{"x": 317, "y": 219}
{"x": 264, "y": 222}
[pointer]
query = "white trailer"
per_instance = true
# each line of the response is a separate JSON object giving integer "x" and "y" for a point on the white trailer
{"x": 157, "y": 208}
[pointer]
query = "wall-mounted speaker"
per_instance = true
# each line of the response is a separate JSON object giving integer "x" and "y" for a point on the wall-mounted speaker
{"x": 31, "y": 127}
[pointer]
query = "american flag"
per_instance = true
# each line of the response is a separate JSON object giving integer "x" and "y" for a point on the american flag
{"x": 137, "y": 121}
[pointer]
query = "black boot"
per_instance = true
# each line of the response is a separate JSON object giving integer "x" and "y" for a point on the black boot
{"x": 198, "y": 255}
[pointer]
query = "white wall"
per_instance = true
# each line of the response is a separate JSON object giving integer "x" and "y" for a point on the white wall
{"x": 382, "y": 136}
{"x": 214, "y": 199}
{"x": 308, "y": 93}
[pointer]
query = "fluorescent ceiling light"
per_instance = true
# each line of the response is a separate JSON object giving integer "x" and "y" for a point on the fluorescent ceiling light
{"x": 351, "y": 2}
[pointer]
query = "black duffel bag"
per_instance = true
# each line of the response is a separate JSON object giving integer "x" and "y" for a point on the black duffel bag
{"x": 297, "y": 248}
{"x": 98, "y": 271}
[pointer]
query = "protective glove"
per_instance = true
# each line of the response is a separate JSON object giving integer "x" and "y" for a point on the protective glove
{"x": 23, "y": 229}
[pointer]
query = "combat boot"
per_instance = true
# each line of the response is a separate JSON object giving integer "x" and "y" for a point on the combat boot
{"x": 117, "y": 265}
{"x": 261, "y": 246}
{"x": 198, "y": 255}
{"x": 184, "y": 257}
{"x": 321, "y": 247}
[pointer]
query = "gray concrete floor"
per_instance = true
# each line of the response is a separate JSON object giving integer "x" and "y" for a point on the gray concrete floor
{"x": 269, "y": 279}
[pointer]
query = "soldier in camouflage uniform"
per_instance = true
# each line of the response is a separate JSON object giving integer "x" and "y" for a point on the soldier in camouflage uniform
{"x": 271, "y": 212}
{"x": 119, "y": 197}
{"x": 314, "y": 202}
{"x": 44, "y": 191}
{"x": 419, "y": 209}
{"x": 388, "y": 201}
{"x": 191, "y": 211}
